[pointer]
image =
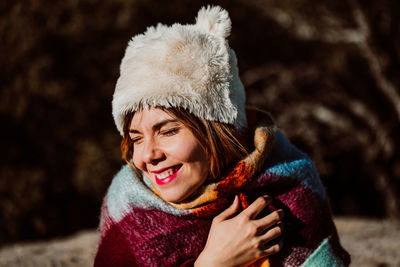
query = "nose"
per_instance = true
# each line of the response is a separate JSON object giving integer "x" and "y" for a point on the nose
{"x": 151, "y": 153}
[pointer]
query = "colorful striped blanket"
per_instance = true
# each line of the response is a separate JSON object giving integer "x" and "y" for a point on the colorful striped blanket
{"x": 138, "y": 228}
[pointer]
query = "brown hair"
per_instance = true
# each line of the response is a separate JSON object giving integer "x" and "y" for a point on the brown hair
{"x": 220, "y": 141}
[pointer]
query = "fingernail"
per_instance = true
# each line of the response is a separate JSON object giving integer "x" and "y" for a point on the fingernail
{"x": 268, "y": 199}
{"x": 281, "y": 213}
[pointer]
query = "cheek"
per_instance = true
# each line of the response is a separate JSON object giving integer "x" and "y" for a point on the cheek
{"x": 136, "y": 159}
{"x": 185, "y": 150}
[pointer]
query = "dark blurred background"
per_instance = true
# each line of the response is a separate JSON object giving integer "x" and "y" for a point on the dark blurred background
{"x": 328, "y": 71}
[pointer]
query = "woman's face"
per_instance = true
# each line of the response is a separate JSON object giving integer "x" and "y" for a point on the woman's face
{"x": 168, "y": 153}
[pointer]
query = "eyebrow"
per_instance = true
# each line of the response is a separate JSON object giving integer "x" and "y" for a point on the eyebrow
{"x": 155, "y": 127}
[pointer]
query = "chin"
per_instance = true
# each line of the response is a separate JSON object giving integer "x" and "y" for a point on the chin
{"x": 174, "y": 197}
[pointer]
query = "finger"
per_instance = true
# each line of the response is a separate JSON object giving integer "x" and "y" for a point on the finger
{"x": 271, "y": 234}
{"x": 272, "y": 249}
{"x": 257, "y": 206}
{"x": 229, "y": 212}
{"x": 269, "y": 220}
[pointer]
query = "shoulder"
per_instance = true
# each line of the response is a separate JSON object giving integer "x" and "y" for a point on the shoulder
{"x": 285, "y": 160}
{"x": 122, "y": 192}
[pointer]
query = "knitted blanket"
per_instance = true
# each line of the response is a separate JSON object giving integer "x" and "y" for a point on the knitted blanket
{"x": 138, "y": 228}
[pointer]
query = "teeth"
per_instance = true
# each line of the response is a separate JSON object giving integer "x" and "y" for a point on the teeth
{"x": 165, "y": 174}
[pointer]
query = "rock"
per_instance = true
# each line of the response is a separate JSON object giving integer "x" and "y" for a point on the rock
{"x": 77, "y": 250}
{"x": 370, "y": 242}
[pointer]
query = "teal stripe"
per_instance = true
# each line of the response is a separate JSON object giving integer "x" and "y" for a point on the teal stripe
{"x": 302, "y": 169}
{"x": 286, "y": 160}
{"x": 322, "y": 256}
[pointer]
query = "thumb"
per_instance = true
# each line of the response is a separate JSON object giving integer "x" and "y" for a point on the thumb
{"x": 229, "y": 212}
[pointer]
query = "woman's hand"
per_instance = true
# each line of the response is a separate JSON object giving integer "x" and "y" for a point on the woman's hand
{"x": 240, "y": 240}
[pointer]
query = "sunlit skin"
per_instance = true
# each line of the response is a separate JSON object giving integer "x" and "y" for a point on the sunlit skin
{"x": 168, "y": 154}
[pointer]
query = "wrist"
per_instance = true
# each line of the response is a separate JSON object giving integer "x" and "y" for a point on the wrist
{"x": 205, "y": 260}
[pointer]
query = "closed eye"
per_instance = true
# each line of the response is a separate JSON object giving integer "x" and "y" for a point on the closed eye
{"x": 170, "y": 132}
{"x": 135, "y": 140}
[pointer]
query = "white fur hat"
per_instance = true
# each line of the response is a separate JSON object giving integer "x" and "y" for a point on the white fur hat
{"x": 186, "y": 66}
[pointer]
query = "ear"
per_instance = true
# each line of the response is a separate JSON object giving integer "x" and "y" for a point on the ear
{"x": 214, "y": 20}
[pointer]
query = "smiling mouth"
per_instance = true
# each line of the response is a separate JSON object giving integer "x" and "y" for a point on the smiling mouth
{"x": 167, "y": 175}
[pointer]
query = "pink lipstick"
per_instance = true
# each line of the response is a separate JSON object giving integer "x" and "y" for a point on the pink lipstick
{"x": 164, "y": 178}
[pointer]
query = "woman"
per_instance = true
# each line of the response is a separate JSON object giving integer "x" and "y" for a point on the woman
{"x": 207, "y": 182}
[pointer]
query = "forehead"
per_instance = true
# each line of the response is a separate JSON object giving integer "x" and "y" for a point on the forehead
{"x": 148, "y": 117}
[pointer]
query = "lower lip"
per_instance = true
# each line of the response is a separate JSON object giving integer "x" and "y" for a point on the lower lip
{"x": 168, "y": 179}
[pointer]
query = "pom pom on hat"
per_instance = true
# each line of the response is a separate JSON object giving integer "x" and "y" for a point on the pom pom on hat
{"x": 186, "y": 66}
{"x": 214, "y": 20}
